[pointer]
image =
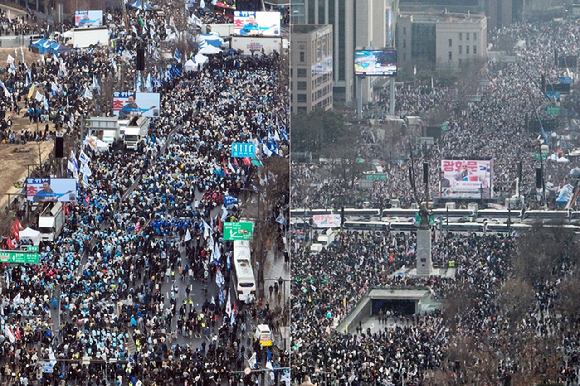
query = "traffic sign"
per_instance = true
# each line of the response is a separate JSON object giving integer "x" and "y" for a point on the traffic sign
{"x": 552, "y": 110}
{"x": 376, "y": 177}
{"x": 31, "y": 248}
{"x": 544, "y": 156}
{"x": 47, "y": 367}
{"x": 242, "y": 150}
{"x": 238, "y": 230}
{"x": 19, "y": 257}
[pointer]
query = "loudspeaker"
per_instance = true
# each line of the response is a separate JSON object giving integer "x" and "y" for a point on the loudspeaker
{"x": 425, "y": 172}
{"x": 538, "y": 178}
{"x": 140, "y": 64}
{"x": 59, "y": 147}
{"x": 248, "y": 5}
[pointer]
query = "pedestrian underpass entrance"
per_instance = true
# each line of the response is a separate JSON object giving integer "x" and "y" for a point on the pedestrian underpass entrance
{"x": 401, "y": 307}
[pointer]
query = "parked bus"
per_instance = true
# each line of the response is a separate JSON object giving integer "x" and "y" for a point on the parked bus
{"x": 398, "y": 213}
{"x": 244, "y": 277}
{"x": 466, "y": 214}
{"x": 366, "y": 212}
{"x": 305, "y": 212}
{"x": 555, "y": 215}
{"x": 463, "y": 227}
{"x": 503, "y": 227}
{"x": 366, "y": 226}
{"x": 499, "y": 213}
{"x": 403, "y": 227}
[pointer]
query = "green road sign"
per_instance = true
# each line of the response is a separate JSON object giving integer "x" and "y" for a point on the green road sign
{"x": 31, "y": 248}
{"x": 544, "y": 156}
{"x": 238, "y": 230}
{"x": 445, "y": 126}
{"x": 19, "y": 257}
{"x": 552, "y": 110}
{"x": 376, "y": 177}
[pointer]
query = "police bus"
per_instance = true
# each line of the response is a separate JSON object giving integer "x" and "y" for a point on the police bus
{"x": 244, "y": 277}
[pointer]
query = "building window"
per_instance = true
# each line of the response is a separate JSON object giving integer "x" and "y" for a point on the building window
{"x": 302, "y": 57}
{"x": 467, "y": 49}
{"x": 301, "y": 109}
{"x": 460, "y": 61}
{"x": 461, "y": 36}
{"x": 474, "y": 50}
{"x": 404, "y": 30}
{"x": 474, "y": 36}
{"x": 450, "y": 56}
{"x": 301, "y": 73}
{"x": 467, "y": 36}
{"x": 460, "y": 49}
{"x": 404, "y": 43}
{"x": 301, "y": 97}
{"x": 450, "y": 42}
{"x": 404, "y": 56}
{"x": 301, "y": 85}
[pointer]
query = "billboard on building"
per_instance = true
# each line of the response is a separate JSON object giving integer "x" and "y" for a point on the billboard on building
{"x": 51, "y": 189}
{"x": 466, "y": 178}
{"x": 381, "y": 62}
{"x": 136, "y": 104}
{"x": 326, "y": 220}
{"x": 252, "y": 45}
{"x": 88, "y": 18}
{"x": 255, "y": 23}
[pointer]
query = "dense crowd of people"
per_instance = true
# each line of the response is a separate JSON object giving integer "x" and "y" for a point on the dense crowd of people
{"x": 140, "y": 275}
{"x": 497, "y": 127}
{"x": 425, "y": 348}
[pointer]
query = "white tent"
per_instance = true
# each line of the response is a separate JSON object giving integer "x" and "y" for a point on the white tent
{"x": 30, "y": 234}
{"x": 209, "y": 49}
{"x": 191, "y": 66}
{"x": 199, "y": 58}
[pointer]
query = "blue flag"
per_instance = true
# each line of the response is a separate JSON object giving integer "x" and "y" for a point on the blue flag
{"x": 230, "y": 200}
{"x": 176, "y": 55}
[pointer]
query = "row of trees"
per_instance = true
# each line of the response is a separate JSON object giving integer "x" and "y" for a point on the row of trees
{"x": 511, "y": 352}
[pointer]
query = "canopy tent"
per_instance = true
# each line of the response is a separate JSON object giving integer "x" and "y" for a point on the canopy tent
{"x": 200, "y": 59}
{"x": 190, "y": 65}
{"x": 211, "y": 39}
{"x": 45, "y": 47}
{"x": 39, "y": 43}
{"x": 209, "y": 50}
{"x": 31, "y": 235}
{"x": 54, "y": 48}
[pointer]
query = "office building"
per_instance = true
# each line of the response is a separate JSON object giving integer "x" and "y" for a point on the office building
{"x": 442, "y": 40}
{"x": 311, "y": 68}
{"x": 361, "y": 23}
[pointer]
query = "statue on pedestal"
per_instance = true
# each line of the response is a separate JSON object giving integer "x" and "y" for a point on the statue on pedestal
{"x": 424, "y": 215}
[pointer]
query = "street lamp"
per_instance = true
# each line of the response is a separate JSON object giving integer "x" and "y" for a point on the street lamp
{"x": 544, "y": 149}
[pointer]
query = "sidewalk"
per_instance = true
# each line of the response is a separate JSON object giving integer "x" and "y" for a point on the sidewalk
{"x": 274, "y": 269}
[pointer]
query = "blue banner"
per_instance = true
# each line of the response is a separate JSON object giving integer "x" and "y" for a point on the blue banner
{"x": 230, "y": 200}
{"x": 242, "y": 150}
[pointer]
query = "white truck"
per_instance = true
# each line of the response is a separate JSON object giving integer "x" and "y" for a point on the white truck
{"x": 85, "y": 37}
{"x": 135, "y": 131}
{"x": 51, "y": 222}
{"x": 327, "y": 237}
{"x": 107, "y": 129}
{"x": 224, "y": 30}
